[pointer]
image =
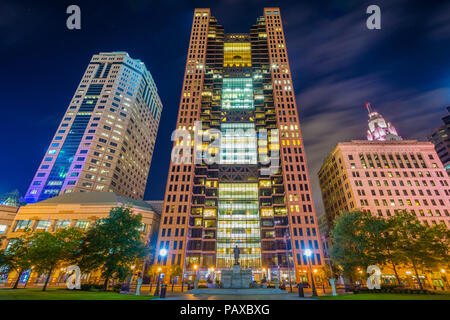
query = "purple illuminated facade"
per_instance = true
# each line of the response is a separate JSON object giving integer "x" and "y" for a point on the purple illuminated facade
{"x": 380, "y": 129}
{"x": 106, "y": 138}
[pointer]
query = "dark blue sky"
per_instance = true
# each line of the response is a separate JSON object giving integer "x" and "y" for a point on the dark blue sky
{"x": 337, "y": 65}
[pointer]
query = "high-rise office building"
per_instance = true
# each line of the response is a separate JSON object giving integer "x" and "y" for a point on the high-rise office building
{"x": 384, "y": 177}
{"x": 106, "y": 138}
{"x": 441, "y": 140}
{"x": 247, "y": 184}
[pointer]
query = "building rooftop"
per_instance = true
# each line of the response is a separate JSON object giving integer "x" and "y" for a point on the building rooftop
{"x": 386, "y": 143}
{"x": 95, "y": 198}
{"x": 157, "y": 205}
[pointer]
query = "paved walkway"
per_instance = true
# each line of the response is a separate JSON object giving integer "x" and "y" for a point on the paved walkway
{"x": 190, "y": 296}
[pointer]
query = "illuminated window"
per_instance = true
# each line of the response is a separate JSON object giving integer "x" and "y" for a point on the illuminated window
{"x": 82, "y": 224}
{"x": 143, "y": 228}
{"x": 22, "y": 225}
{"x": 62, "y": 224}
{"x": 238, "y": 143}
{"x": 43, "y": 225}
{"x": 237, "y": 93}
{"x": 265, "y": 183}
{"x": 237, "y": 54}
{"x": 197, "y": 211}
{"x": 266, "y": 212}
{"x": 210, "y": 212}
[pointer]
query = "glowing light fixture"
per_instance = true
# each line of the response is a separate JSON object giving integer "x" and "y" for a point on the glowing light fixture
{"x": 308, "y": 252}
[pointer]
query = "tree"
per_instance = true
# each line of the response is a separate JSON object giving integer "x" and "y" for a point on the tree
{"x": 388, "y": 245}
{"x": 422, "y": 246}
{"x": 113, "y": 244}
{"x": 360, "y": 239}
{"x": 175, "y": 271}
{"x": 16, "y": 257}
{"x": 48, "y": 250}
{"x": 351, "y": 245}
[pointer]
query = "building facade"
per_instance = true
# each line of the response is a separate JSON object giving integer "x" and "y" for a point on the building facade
{"x": 441, "y": 140}
{"x": 78, "y": 210}
{"x": 106, "y": 138}
{"x": 383, "y": 177}
{"x": 7, "y": 215}
{"x": 242, "y": 178}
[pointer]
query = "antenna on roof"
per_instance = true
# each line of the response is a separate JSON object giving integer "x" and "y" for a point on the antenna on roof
{"x": 368, "y": 107}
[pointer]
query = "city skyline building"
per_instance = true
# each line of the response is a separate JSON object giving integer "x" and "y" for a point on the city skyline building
{"x": 7, "y": 215}
{"x": 384, "y": 177}
{"x": 106, "y": 138}
{"x": 379, "y": 128}
{"x": 79, "y": 210}
{"x": 440, "y": 137}
{"x": 251, "y": 188}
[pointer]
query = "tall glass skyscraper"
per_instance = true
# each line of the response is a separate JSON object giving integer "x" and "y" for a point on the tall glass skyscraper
{"x": 106, "y": 138}
{"x": 247, "y": 182}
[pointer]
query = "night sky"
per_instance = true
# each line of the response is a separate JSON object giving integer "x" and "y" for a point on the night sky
{"x": 337, "y": 65}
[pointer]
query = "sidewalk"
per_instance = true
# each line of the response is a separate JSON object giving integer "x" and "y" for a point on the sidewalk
{"x": 227, "y": 296}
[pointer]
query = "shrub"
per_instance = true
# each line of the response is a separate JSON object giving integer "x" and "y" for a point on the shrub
{"x": 125, "y": 287}
{"x": 91, "y": 287}
{"x": 117, "y": 287}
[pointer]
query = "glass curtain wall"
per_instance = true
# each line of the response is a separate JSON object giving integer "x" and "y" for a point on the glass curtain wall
{"x": 238, "y": 219}
{"x": 238, "y": 143}
{"x": 238, "y": 225}
{"x": 237, "y": 54}
{"x": 237, "y": 93}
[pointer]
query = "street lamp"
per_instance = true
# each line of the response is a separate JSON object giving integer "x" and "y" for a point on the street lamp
{"x": 444, "y": 277}
{"x": 157, "y": 283}
{"x": 308, "y": 254}
{"x": 162, "y": 253}
{"x": 196, "y": 276}
{"x": 211, "y": 274}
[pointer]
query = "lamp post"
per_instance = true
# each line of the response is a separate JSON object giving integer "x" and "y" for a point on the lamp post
{"x": 308, "y": 254}
{"x": 162, "y": 253}
{"x": 157, "y": 283}
{"x": 213, "y": 275}
{"x": 286, "y": 238}
{"x": 444, "y": 277}
{"x": 196, "y": 276}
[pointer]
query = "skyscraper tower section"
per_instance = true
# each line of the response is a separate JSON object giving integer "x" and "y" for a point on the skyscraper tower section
{"x": 380, "y": 129}
{"x": 247, "y": 184}
{"x": 105, "y": 139}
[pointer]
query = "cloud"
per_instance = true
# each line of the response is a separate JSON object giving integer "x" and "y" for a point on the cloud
{"x": 336, "y": 69}
{"x": 340, "y": 115}
{"x": 439, "y": 24}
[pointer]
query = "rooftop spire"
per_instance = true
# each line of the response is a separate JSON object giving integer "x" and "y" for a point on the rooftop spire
{"x": 380, "y": 129}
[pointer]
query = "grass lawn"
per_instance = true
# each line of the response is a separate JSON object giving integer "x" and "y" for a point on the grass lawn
{"x": 64, "y": 294}
{"x": 387, "y": 296}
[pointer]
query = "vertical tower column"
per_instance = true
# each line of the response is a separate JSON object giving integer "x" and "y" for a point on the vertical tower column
{"x": 173, "y": 233}
{"x": 303, "y": 227}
